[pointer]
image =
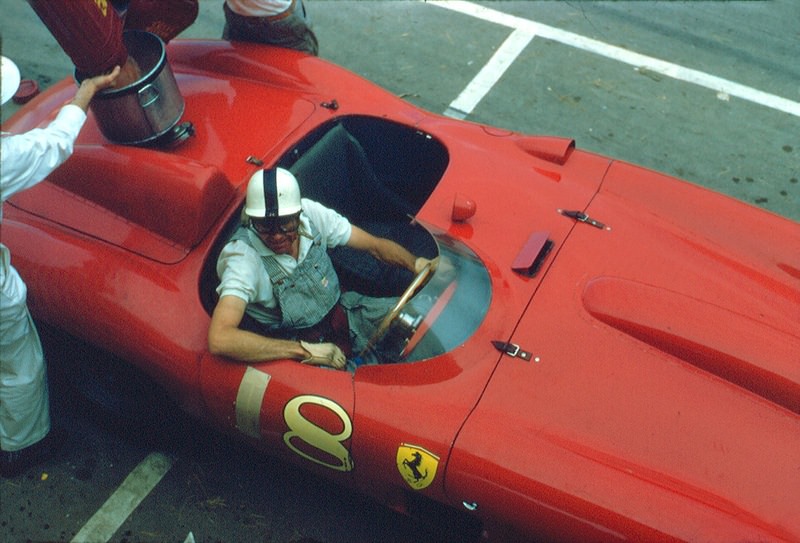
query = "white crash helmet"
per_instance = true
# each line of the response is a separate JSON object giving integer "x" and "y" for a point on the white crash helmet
{"x": 9, "y": 79}
{"x": 272, "y": 193}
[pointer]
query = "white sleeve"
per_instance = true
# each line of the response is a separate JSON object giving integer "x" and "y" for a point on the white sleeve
{"x": 30, "y": 157}
{"x": 335, "y": 228}
{"x": 238, "y": 268}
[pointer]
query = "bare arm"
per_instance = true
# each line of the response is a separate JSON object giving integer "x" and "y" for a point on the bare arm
{"x": 91, "y": 86}
{"x": 225, "y": 338}
{"x": 385, "y": 250}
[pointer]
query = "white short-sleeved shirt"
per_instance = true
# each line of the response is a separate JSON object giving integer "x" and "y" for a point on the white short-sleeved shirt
{"x": 242, "y": 272}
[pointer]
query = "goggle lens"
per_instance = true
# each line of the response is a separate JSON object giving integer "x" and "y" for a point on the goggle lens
{"x": 274, "y": 227}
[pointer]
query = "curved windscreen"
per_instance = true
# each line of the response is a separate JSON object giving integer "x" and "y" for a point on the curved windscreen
{"x": 445, "y": 312}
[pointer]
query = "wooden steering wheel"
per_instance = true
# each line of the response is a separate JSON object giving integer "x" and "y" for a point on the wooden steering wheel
{"x": 418, "y": 282}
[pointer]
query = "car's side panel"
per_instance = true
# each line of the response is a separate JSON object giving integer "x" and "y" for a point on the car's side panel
{"x": 149, "y": 315}
{"x": 408, "y": 416}
{"x": 301, "y": 413}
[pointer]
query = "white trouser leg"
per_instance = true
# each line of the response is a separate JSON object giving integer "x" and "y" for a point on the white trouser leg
{"x": 24, "y": 399}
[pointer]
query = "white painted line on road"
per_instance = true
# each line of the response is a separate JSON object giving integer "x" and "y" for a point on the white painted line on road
{"x": 722, "y": 87}
{"x": 490, "y": 74}
{"x": 107, "y": 520}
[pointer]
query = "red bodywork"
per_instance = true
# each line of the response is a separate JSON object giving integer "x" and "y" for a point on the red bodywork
{"x": 661, "y": 400}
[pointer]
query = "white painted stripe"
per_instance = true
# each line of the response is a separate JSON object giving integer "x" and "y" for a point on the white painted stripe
{"x": 107, "y": 520}
{"x": 641, "y": 62}
{"x": 490, "y": 74}
{"x": 248, "y": 401}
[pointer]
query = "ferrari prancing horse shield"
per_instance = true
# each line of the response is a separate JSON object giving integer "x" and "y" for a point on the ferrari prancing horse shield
{"x": 417, "y": 466}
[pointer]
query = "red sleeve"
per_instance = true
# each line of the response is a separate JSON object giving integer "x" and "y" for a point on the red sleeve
{"x": 89, "y": 32}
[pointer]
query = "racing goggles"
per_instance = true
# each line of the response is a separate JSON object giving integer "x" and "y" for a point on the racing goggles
{"x": 273, "y": 227}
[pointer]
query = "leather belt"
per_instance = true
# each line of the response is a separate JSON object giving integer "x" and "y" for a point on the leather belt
{"x": 283, "y": 14}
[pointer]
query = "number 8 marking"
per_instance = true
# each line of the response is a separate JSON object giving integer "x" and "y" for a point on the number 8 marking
{"x": 305, "y": 430}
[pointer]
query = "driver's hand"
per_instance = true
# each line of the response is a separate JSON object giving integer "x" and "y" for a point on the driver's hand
{"x": 445, "y": 268}
{"x": 323, "y": 354}
{"x": 421, "y": 262}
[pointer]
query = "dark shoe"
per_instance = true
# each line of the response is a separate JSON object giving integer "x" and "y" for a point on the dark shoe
{"x": 12, "y": 463}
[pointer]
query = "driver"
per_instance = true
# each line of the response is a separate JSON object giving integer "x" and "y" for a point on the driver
{"x": 279, "y": 294}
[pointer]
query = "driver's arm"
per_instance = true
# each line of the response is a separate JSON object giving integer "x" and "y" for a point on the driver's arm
{"x": 225, "y": 338}
{"x": 385, "y": 250}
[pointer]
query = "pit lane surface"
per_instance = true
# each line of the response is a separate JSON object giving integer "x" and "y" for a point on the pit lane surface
{"x": 707, "y": 91}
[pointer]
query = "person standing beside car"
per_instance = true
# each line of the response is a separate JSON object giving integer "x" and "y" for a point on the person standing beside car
{"x": 284, "y": 23}
{"x": 279, "y": 295}
{"x": 25, "y": 160}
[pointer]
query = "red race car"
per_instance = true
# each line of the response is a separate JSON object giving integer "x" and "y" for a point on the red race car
{"x": 604, "y": 353}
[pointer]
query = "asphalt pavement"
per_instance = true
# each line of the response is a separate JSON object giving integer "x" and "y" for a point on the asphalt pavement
{"x": 706, "y": 91}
